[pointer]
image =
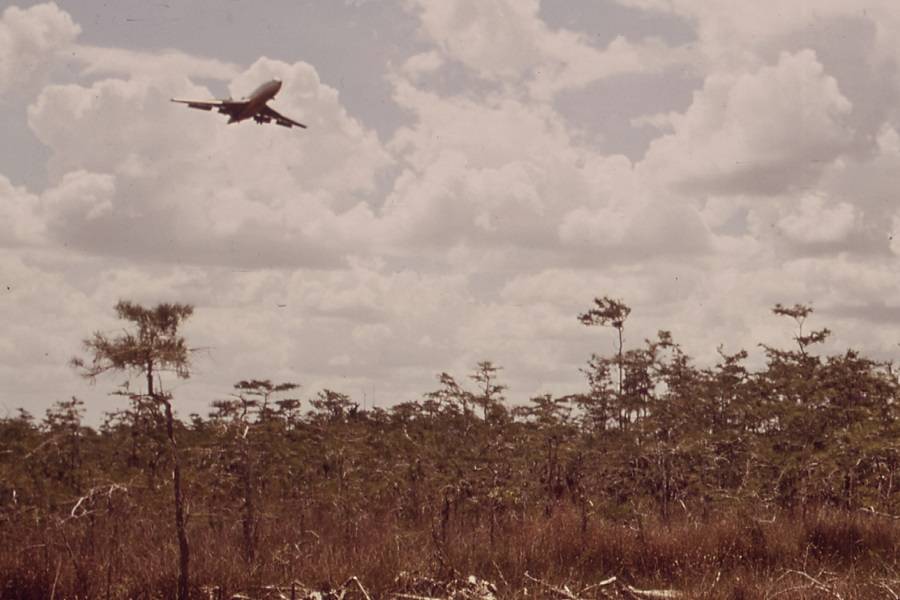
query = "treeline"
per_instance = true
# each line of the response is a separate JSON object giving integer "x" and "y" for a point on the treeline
{"x": 270, "y": 487}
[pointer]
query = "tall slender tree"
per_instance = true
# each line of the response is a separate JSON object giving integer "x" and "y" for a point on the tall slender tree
{"x": 490, "y": 393}
{"x": 153, "y": 346}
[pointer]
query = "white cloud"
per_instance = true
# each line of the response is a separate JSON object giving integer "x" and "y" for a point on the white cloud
{"x": 30, "y": 40}
{"x": 638, "y": 229}
{"x": 497, "y": 171}
{"x": 490, "y": 131}
{"x": 766, "y": 131}
{"x": 497, "y": 39}
{"x": 45, "y": 319}
{"x": 506, "y": 41}
{"x": 20, "y": 221}
{"x": 452, "y": 201}
{"x": 502, "y": 171}
{"x": 183, "y": 185}
{"x": 479, "y": 230}
{"x": 114, "y": 125}
{"x": 895, "y": 235}
{"x": 817, "y": 221}
{"x": 732, "y": 35}
{"x": 158, "y": 66}
{"x": 419, "y": 64}
{"x": 80, "y": 196}
{"x": 572, "y": 64}
{"x": 372, "y": 335}
{"x": 888, "y": 140}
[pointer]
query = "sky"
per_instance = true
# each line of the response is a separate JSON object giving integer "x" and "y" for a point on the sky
{"x": 474, "y": 174}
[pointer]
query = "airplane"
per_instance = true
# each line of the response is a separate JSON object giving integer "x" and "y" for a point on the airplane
{"x": 254, "y": 106}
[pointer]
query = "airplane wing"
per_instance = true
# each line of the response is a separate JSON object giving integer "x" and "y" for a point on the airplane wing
{"x": 226, "y": 107}
{"x": 267, "y": 113}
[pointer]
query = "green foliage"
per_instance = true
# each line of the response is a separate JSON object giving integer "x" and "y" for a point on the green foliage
{"x": 153, "y": 347}
{"x": 607, "y": 312}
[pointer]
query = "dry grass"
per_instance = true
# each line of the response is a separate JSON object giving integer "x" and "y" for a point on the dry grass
{"x": 117, "y": 554}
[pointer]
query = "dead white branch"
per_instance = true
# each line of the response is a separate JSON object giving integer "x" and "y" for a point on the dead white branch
{"x": 817, "y": 584}
{"x": 599, "y": 584}
{"x": 79, "y": 511}
{"x": 650, "y": 594}
{"x": 564, "y": 592}
{"x": 869, "y": 510}
{"x": 355, "y": 579}
{"x": 890, "y": 590}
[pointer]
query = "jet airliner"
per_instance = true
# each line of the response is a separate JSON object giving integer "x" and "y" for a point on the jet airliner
{"x": 254, "y": 106}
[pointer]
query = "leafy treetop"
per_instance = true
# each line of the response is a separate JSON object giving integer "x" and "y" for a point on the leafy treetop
{"x": 153, "y": 345}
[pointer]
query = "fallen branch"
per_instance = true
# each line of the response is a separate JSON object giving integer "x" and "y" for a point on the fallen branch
{"x": 359, "y": 584}
{"x": 564, "y": 592}
{"x": 599, "y": 584}
{"x": 869, "y": 510}
{"x": 890, "y": 590}
{"x": 505, "y": 582}
{"x": 110, "y": 490}
{"x": 816, "y": 583}
{"x": 55, "y": 580}
{"x": 650, "y": 594}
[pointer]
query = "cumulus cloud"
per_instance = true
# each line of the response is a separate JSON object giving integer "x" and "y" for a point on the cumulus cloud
{"x": 506, "y": 41}
{"x": 483, "y": 225}
{"x": 854, "y": 42}
{"x": 502, "y": 171}
{"x": 80, "y": 195}
{"x": 105, "y": 61}
{"x": 489, "y": 131}
{"x": 452, "y": 201}
{"x": 765, "y": 131}
{"x": 732, "y": 35}
{"x": 30, "y": 40}
{"x": 44, "y": 321}
{"x": 816, "y": 221}
{"x": 20, "y": 219}
{"x": 495, "y": 171}
{"x": 182, "y": 185}
{"x": 638, "y": 230}
{"x": 422, "y": 63}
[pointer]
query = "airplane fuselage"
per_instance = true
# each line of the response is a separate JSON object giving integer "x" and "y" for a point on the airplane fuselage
{"x": 256, "y": 100}
{"x": 252, "y": 107}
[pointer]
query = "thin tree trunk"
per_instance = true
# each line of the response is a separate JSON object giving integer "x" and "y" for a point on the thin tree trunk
{"x": 183, "y": 548}
{"x": 621, "y": 362}
{"x": 249, "y": 524}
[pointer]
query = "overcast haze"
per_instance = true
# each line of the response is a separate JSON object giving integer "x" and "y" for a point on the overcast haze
{"x": 474, "y": 173}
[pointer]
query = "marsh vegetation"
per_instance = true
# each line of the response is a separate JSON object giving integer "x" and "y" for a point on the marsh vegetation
{"x": 718, "y": 481}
